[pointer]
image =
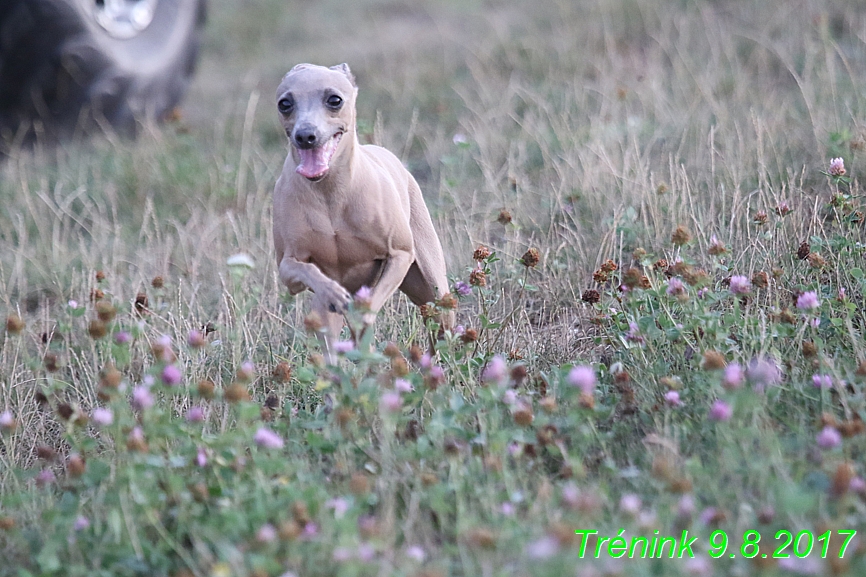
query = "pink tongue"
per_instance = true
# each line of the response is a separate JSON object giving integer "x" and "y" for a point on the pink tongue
{"x": 314, "y": 162}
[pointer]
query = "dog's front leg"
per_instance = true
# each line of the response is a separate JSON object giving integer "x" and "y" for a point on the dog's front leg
{"x": 329, "y": 294}
{"x": 329, "y": 302}
{"x": 332, "y": 323}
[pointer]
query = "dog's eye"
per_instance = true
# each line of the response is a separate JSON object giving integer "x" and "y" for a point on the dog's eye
{"x": 285, "y": 105}
{"x": 334, "y": 101}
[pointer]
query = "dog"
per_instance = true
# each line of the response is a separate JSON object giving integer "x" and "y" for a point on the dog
{"x": 347, "y": 215}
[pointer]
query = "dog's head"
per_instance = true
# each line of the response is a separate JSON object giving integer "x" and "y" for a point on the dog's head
{"x": 317, "y": 108}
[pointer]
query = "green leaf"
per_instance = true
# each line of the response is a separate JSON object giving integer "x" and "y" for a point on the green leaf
{"x": 318, "y": 442}
{"x": 115, "y": 524}
{"x": 177, "y": 461}
{"x": 96, "y": 472}
{"x": 317, "y": 424}
{"x": 155, "y": 461}
{"x": 47, "y": 558}
{"x": 456, "y": 402}
{"x": 68, "y": 503}
{"x": 305, "y": 375}
{"x": 648, "y": 326}
{"x": 248, "y": 411}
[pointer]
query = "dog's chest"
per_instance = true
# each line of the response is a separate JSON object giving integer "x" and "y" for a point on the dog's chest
{"x": 339, "y": 244}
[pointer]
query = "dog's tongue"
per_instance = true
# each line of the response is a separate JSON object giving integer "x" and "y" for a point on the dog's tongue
{"x": 314, "y": 162}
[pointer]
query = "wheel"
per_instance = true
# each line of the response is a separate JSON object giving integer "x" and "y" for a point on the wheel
{"x": 68, "y": 66}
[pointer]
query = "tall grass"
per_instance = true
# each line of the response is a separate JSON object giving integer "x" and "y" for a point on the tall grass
{"x": 599, "y": 129}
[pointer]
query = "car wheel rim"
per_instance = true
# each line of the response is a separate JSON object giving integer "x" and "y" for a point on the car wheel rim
{"x": 123, "y": 19}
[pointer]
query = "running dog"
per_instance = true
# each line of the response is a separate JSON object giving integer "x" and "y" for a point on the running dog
{"x": 347, "y": 215}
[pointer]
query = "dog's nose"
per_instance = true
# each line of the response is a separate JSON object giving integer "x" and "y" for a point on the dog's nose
{"x": 305, "y": 137}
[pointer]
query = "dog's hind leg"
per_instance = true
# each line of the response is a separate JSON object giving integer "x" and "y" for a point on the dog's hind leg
{"x": 426, "y": 280}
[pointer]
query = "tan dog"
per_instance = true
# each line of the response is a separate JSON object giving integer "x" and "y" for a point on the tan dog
{"x": 347, "y": 216}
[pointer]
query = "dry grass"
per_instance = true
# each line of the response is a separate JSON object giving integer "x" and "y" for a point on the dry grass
{"x": 574, "y": 116}
{"x": 600, "y": 128}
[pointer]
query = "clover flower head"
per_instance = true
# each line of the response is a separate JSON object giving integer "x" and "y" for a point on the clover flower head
{"x": 630, "y": 503}
{"x": 195, "y": 414}
{"x": 808, "y": 300}
{"x": 171, "y": 375}
{"x": 462, "y": 288}
{"x": 495, "y": 371}
{"x": 403, "y": 386}
{"x": 195, "y": 339}
{"x": 342, "y": 347}
{"x": 364, "y": 293}
{"x": 633, "y": 334}
{"x": 101, "y": 416}
{"x": 267, "y": 533}
{"x": 141, "y": 398}
{"x": 763, "y": 373}
{"x": 267, "y": 439}
{"x": 582, "y": 377}
{"x": 720, "y": 411}
{"x": 822, "y": 381}
{"x": 676, "y": 287}
{"x": 837, "y": 167}
{"x": 7, "y": 420}
{"x": 543, "y": 548}
{"x": 416, "y": 553}
{"x": 391, "y": 402}
{"x": 740, "y": 285}
{"x": 45, "y": 477}
{"x": 732, "y": 378}
{"x": 829, "y": 438}
{"x": 672, "y": 399}
{"x": 339, "y": 505}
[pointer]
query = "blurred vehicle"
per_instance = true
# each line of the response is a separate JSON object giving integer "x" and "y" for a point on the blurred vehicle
{"x": 69, "y": 66}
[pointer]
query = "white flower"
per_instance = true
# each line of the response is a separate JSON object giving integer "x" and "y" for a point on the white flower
{"x": 241, "y": 259}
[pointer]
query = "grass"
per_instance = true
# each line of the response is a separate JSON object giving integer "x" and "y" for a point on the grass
{"x": 680, "y": 150}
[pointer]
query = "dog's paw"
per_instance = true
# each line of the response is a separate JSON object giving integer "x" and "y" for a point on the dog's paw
{"x": 335, "y": 298}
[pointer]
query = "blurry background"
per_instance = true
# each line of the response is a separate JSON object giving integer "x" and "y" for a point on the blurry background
{"x": 571, "y": 111}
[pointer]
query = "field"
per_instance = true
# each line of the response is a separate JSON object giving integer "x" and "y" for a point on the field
{"x": 686, "y": 358}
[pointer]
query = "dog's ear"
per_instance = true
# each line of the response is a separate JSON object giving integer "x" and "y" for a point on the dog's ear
{"x": 344, "y": 68}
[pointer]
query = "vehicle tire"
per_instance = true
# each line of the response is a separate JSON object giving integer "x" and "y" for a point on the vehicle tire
{"x": 69, "y": 66}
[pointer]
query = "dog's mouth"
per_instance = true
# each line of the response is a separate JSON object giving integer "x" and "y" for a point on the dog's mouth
{"x": 315, "y": 162}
